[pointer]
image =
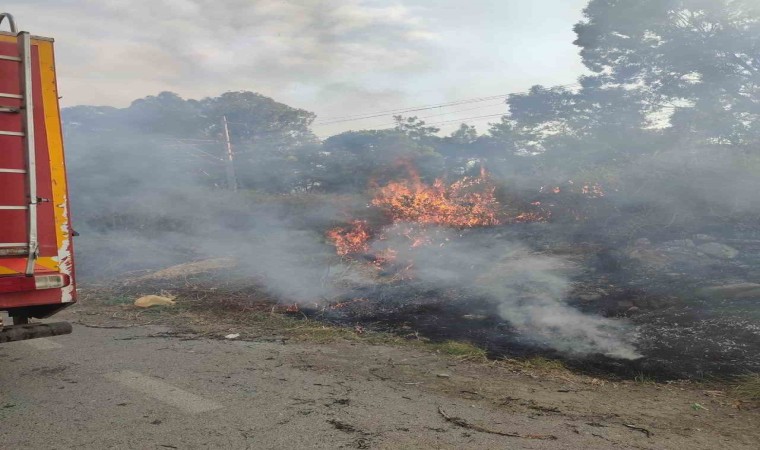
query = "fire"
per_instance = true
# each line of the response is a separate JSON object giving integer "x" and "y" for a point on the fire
{"x": 469, "y": 202}
{"x": 341, "y": 305}
{"x": 353, "y": 239}
{"x": 412, "y": 207}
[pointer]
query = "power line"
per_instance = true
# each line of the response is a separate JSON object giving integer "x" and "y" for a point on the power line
{"x": 447, "y": 113}
{"x": 407, "y": 110}
{"x": 463, "y": 119}
{"x": 348, "y": 118}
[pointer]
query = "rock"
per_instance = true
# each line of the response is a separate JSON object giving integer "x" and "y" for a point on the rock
{"x": 475, "y": 317}
{"x": 590, "y": 297}
{"x": 232, "y": 336}
{"x": 679, "y": 243}
{"x": 648, "y": 256}
{"x": 443, "y": 375}
{"x": 625, "y": 304}
{"x": 642, "y": 242}
{"x": 736, "y": 290}
{"x": 147, "y": 301}
{"x": 718, "y": 250}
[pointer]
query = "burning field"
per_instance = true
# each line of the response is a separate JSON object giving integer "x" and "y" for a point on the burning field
{"x": 638, "y": 265}
{"x": 465, "y": 259}
{"x": 449, "y": 239}
{"x": 516, "y": 272}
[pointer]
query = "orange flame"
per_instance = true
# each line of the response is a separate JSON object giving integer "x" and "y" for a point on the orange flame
{"x": 351, "y": 239}
{"x": 469, "y": 202}
{"x": 411, "y": 205}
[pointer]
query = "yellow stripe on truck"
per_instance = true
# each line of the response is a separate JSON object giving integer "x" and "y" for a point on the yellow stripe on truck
{"x": 57, "y": 164}
{"x": 54, "y": 139}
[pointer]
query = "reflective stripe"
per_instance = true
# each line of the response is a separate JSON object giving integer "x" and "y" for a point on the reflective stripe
{"x": 6, "y": 271}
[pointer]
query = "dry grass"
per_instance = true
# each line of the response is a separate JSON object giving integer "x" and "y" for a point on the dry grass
{"x": 747, "y": 388}
{"x": 538, "y": 364}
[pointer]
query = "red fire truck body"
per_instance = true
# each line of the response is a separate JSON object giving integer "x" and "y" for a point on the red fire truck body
{"x": 36, "y": 260}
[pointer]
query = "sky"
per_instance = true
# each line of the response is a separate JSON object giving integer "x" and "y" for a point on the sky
{"x": 336, "y": 58}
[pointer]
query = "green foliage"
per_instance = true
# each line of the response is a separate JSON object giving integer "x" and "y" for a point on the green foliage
{"x": 643, "y": 378}
{"x": 699, "y": 56}
{"x": 459, "y": 349}
{"x": 465, "y": 135}
{"x": 414, "y": 128}
{"x": 350, "y": 161}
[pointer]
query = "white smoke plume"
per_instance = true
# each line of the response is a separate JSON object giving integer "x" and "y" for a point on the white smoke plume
{"x": 529, "y": 289}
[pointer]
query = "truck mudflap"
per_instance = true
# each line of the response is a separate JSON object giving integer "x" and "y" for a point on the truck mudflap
{"x": 33, "y": 330}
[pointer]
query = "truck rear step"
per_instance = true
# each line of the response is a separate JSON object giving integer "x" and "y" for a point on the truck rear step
{"x": 33, "y": 330}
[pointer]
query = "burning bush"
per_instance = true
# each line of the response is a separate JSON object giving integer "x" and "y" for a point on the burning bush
{"x": 409, "y": 206}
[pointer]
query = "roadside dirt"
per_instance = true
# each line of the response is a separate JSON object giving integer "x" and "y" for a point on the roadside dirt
{"x": 389, "y": 392}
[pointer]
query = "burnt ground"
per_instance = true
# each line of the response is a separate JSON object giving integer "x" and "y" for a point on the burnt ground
{"x": 677, "y": 341}
{"x": 694, "y": 314}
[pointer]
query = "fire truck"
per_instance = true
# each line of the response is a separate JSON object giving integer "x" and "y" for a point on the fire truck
{"x": 36, "y": 259}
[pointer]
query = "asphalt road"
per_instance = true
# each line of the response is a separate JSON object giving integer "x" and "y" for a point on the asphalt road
{"x": 133, "y": 388}
{"x": 140, "y": 388}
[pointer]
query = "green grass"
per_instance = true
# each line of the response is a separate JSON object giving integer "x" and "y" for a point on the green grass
{"x": 643, "y": 378}
{"x": 539, "y": 363}
{"x": 458, "y": 349}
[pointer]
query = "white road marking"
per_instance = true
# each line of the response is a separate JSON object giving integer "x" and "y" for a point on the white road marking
{"x": 43, "y": 344}
{"x": 164, "y": 392}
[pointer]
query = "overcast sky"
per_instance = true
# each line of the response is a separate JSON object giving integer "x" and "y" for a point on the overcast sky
{"x": 332, "y": 57}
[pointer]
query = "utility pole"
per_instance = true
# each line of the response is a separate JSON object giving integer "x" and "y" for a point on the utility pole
{"x": 230, "y": 159}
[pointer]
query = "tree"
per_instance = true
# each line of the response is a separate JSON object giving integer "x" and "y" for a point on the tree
{"x": 166, "y": 113}
{"x": 570, "y": 131}
{"x": 698, "y": 57}
{"x": 355, "y": 158}
{"x": 178, "y": 141}
{"x": 271, "y": 139}
{"x": 415, "y": 128}
{"x": 464, "y": 135}
{"x": 255, "y": 118}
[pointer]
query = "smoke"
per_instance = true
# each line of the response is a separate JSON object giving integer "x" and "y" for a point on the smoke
{"x": 143, "y": 202}
{"x": 144, "y": 208}
{"x": 277, "y": 245}
{"x": 529, "y": 289}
